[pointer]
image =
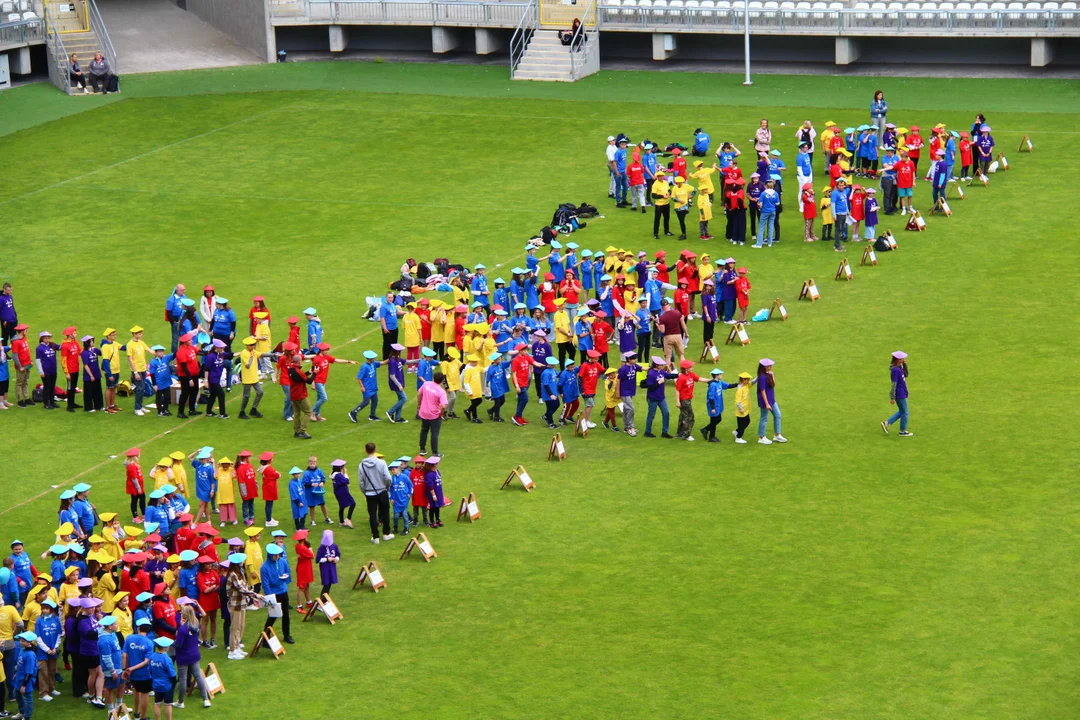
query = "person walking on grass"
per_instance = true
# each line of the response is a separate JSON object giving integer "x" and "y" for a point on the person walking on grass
{"x": 766, "y": 388}
{"x": 898, "y": 393}
{"x": 375, "y": 483}
{"x": 298, "y": 393}
{"x": 369, "y": 383}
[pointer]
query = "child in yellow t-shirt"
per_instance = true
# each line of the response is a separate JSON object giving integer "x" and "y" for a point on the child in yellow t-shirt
{"x": 826, "y": 214}
{"x": 472, "y": 382}
{"x": 226, "y": 494}
{"x": 451, "y": 370}
{"x": 263, "y": 342}
{"x": 743, "y": 398}
{"x": 412, "y": 332}
{"x": 611, "y": 398}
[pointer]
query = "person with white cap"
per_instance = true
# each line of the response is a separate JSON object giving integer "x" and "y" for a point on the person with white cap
{"x": 45, "y": 359}
{"x": 92, "y": 397}
{"x": 174, "y": 311}
{"x": 766, "y": 389}
{"x": 611, "y": 149}
{"x": 214, "y": 367}
{"x": 898, "y": 393}
{"x": 223, "y": 328}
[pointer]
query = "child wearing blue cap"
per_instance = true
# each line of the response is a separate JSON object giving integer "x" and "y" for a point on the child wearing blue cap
{"x": 162, "y": 678}
{"x": 568, "y": 387}
{"x": 26, "y": 673}
{"x": 161, "y": 376}
{"x": 296, "y": 496}
{"x": 498, "y": 384}
{"x": 549, "y": 389}
{"x": 369, "y": 384}
{"x": 275, "y": 577}
{"x": 401, "y": 490}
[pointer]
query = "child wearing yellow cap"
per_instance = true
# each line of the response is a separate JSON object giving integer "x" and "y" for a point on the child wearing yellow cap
{"x": 451, "y": 370}
{"x": 611, "y": 398}
{"x": 472, "y": 382}
{"x": 226, "y": 493}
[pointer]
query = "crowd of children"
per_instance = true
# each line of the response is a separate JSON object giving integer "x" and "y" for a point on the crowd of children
{"x": 127, "y": 609}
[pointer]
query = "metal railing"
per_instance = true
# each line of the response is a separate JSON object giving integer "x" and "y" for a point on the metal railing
{"x": 585, "y": 47}
{"x": 69, "y": 16}
{"x": 407, "y": 12}
{"x": 652, "y": 15}
{"x": 562, "y": 13}
{"x": 523, "y": 34}
{"x": 98, "y": 26}
{"x": 23, "y": 32}
{"x": 58, "y": 58}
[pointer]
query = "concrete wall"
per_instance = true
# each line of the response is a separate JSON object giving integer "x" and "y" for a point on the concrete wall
{"x": 246, "y": 21}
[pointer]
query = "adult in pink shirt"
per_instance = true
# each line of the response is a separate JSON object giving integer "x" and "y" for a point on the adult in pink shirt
{"x": 431, "y": 401}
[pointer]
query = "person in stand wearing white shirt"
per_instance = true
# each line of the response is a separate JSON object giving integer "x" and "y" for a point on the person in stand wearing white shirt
{"x": 611, "y": 148}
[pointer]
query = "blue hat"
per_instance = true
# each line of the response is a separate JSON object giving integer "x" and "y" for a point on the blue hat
{"x": 520, "y": 306}
{"x": 716, "y": 371}
{"x": 188, "y": 556}
{"x": 278, "y": 533}
{"x": 143, "y": 597}
{"x": 310, "y": 311}
{"x": 16, "y": 542}
{"x": 568, "y": 362}
{"x": 530, "y": 247}
{"x": 163, "y": 642}
{"x": 295, "y": 470}
{"x": 427, "y": 352}
{"x": 157, "y": 494}
{"x": 273, "y": 549}
{"x": 582, "y": 311}
{"x": 204, "y": 454}
{"x": 168, "y": 488}
{"x": 604, "y": 277}
{"x": 76, "y": 548}
{"x": 151, "y": 527}
{"x": 143, "y": 621}
{"x": 499, "y": 281}
{"x": 32, "y": 637}
{"x": 187, "y": 302}
{"x": 572, "y": 245}
{"x": 556, "y": 244}
{"x": 954, "y": 133}
{"x": 370, "y": 354}
{"x": 480, "y": 266}
{"x": 81, "y": 488}
{"x": 552, "y": 360}
{"x": 221, "y": 300}
{"x": 405, "y": 458}
{"x": 67, "y": 495}
{"x": 500, "y": 313}
{"x": 50, "y": 602}
{"x": 237, "y": 558}
{"x": 58, "y": 549}
{"x": 586, "y": 253}
{"x": 495, "y": 356}
{"x": 774, "y": 153}
{"x": 155, "y": 348}
{"x": 477, "y": 303}
{"x": 107, "y": 621}
{"x": 517, "y": 270}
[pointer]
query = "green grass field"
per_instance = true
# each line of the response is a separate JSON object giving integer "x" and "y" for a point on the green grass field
{"x": 844, "y": 575}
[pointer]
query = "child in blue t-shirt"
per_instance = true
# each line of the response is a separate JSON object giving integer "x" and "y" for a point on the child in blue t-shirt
{"x": 162, "y": 677}
{"x": 401, "y": 489}
{"x": 161, "y": 375}
{"x": 5, "y": 377}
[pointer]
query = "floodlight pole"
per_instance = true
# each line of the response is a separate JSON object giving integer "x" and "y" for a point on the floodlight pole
{"x": 746, "y": 40}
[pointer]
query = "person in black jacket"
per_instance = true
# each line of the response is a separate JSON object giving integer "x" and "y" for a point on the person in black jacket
{"x": 78, "y": 78}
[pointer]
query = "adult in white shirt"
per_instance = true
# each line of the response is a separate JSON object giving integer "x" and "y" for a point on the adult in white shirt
{"x": 611, "y": 148}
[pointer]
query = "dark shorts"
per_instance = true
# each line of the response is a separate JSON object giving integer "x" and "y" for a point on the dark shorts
{"x": 91, "y": 661}
{"x": 143, "y": 686}
{"x": 111, "y": 380}
{"x": 163, "y": 697}
{"x": 112, "y": 683}
{"x": 4, "y": 387}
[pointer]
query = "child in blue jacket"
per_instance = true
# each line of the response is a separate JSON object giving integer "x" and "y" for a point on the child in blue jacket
{"x": 568, "y": 388}
{"x": 161, "y": 375}
{"x": 26, "y": 673}
{"x": 401, "y": 489}
{"x": 296, "y": 496}
{"x": 549, "y": 390}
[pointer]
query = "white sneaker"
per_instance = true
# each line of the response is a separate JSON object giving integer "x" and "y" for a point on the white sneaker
{"x": 272, "y": 523}
{"x": 591, "y": 425}
{"x": 45, "y": 698}
{"x": 178, "y": 705}
{"x": 140, "y": 413}
{"x": 235, "y": 656}
{"x": 375, "y": 541}
{"x": 764, "y": 441}
{"x": 313, "y": 523}
{"x": 206, "y": 703}
{"x": 56, "y": 693}
{"x": 739, "y": 441}
{"x": 690, "y": 439}
{"x": 234, "y": 522}
{"x": 779, "y": 438}
{"x": 388, "y": 537}
{"x": 221, "y": 525}
{"x": 329, "y": 521}
{"x": 903, "y": 211}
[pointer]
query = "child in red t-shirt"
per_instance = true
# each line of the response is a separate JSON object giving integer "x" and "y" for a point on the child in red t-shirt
{"x": 682, "y": 298}
{"x": 965, "y": 156}
{"x": 636, "y": 173}
{"x": 684, "y": 386}
{"x": 809, "y": 212}
{"x": 742, "y": 293}
{"x": 305, "y": 573}
{"x": 858, "y": 210}
{"x": 417, "y": 477}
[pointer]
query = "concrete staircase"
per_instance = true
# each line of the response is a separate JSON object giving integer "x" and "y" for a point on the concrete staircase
{"x": 85, "y": 44}
{"x": 545, "y": 59}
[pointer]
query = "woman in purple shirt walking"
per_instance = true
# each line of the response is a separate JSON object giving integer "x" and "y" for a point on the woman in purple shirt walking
{"x": 898, "y": 393}
{"x": 766, "y": 388}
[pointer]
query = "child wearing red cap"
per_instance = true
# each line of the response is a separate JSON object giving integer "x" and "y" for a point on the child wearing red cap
{"x": 136, "y": 486}
{"x": 858, "y": 211}
{"x": 269, "y": 485}
{"x": 419, "y": 495}
{"x": 258, "y": 305}
{"x": 684, "y": 385}
{"x": 208, "y": 581}
{"x": 305, "y": 572}
{"x": 965, "y": 156}
{"x": 742, "y": 293}
{"x": 809, "y": 212}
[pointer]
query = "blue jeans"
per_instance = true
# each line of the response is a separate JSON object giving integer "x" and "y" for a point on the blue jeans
{"x": 247, "y": 507}
{"x": 871, "y": 232}
{"x": 373, "y": 400}
{"x": 522, "y": 401}
{"x": 269, "y": 510}
{"x": 286, "y": 412}
{"x": 403, "y": 514}
{"x": 175, "y": 325}
{"x": 764, "y": 419}
{"x": 138, "y": 386}
{"x": 622, "y": 187}
{"x": 729, "y": 309}
{"x": 901, "y": 414}
{"x": 395, "y": 410}
{"x": 766, "y": 227}
{"x": 320, "y": 394}
{"x": 665, "y": 417}
{"x": 26, "y": 702}
{"x": 938, "y": 193}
